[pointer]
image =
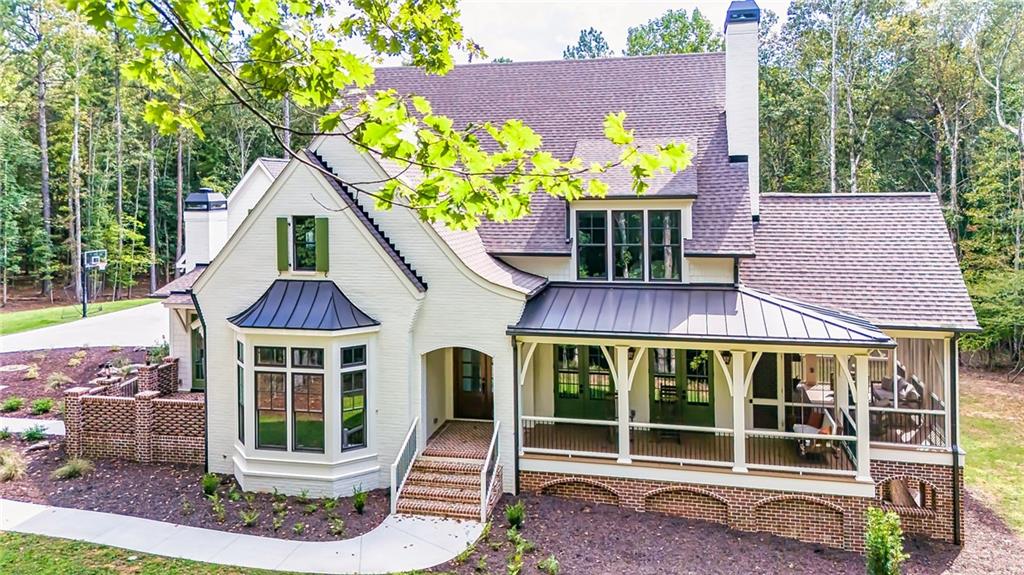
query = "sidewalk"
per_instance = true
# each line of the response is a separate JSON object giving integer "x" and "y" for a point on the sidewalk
{"x": 401, "y": 543}
{"x": 19, "y": 424}
{"x": 138, "y": 326}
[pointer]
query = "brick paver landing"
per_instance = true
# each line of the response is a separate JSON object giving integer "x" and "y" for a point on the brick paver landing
{"x": 461, "y": 439}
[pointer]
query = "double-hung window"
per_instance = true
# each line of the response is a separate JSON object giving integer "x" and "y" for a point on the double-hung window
{"x": 240, "y": 368}
{"x": 304, "y": 242}
{"x": 628, "y": 244}
{"x": 271, "y": 398}
{"x": 664, "y": 245}
{"x": 307, "y": 399}
{"x": 353, "y": 397}
{"x": 592, "y": 245}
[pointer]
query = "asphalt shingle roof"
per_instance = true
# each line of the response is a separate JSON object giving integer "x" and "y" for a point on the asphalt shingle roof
{"x": 885, "y": 257}
{"x": 665, "y": 97}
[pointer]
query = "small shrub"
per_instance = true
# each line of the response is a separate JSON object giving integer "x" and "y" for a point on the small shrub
{"x": 34, "y": 434}
{"x": 549, "y": 565}
{"x": 187, "y": 508}
{"x": 210, "y": 482}
{"x": 5, "y": 434}
{"x": 41, "y": 356}
{"x": 249, "y": 517}
{"x": 12, "y": 404}
{"x": 32, "y": 372}
{"x": 336, "y": 526}
{"x": 310, "y": 508}
{"x": 481, "y": 564}
{"x": 157, "y": 353}
{"x": 280, "y": 507}
{"x": 330, "y": 503}
{"x": 359, "y": 499}
{"x": 234, "y": 495}
{"x": 114, "y": 348}
{"x": 279, "y": 496}
{"x": 217, "y": 507}
{"x": 250, "y": 499}
{"x": 73, "y": 469}
{"x": 76, "y": 358}
{"x": 298, "y": 528}
{"x": 516, "y": 514}
{"x": 303, "y": 497}
{"x": 12, "y": 465}
{"x": 57, "y": 380}
{"x": 41, "y": 406}
{"x": 276, "y": 523}
{"x": 884, "y": 543}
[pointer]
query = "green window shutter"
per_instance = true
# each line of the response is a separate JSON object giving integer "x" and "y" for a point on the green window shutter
{"x": 282, "y": 244}
{"x": 322, "y": 243}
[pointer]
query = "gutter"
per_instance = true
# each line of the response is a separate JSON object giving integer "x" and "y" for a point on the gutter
{"x": 206, "y": 398}
{"x": 954, "y": 430}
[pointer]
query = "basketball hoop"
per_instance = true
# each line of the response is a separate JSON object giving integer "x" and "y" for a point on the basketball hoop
{"x": 94, "y": 259}
{"x": 102, "y": 266}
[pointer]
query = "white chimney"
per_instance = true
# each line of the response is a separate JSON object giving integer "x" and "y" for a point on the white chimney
{"x": 741, "y": 92}
{"x": 206, "y": 227}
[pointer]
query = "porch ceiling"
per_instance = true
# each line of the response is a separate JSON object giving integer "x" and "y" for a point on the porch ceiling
{"x": 710, "y": 314}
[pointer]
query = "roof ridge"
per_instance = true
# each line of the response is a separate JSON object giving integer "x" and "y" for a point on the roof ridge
{"x": 572, "y": 61}
{"x": 839, "y": 319}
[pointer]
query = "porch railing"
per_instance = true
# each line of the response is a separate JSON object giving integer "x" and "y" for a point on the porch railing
{"x": 572, "y": 437}
{"x": 799, "y": 452}
{"x": 898, "y": 426}
{"x": 488, "y": 470}
{"x": 403, "y": 463}
{"x": 682, "y": 444}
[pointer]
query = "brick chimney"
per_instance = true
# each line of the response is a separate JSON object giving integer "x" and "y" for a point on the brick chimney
{"x": 206, "y": 226}
{"x": 741, "y": 92}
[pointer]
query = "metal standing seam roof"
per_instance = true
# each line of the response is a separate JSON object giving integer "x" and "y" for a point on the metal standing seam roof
{"x": 684, "y": 313}
{"x": 303, "y": 304}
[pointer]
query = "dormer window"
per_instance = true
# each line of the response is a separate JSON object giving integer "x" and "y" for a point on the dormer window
{"x": 629, "y": 245}
{"x": 304, "y": 242}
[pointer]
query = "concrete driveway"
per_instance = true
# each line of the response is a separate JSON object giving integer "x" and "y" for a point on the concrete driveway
{"x": 139, "y": 326}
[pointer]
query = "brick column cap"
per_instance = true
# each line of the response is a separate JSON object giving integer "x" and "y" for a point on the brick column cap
{"x": 147, "y": 395}
{"x": 76, "y": 391}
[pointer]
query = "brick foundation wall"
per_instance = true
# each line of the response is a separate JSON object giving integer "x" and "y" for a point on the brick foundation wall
{"x": 832, "y": 520}
{"x": 145, "y": 428}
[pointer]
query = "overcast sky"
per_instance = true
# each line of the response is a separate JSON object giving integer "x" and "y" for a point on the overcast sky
{"x": 539, "y": 30}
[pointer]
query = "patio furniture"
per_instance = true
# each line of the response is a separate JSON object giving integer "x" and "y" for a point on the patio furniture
{"x": 815, "y": 447}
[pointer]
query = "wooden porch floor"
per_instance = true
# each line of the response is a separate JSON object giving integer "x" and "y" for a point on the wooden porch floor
{"x": 684, "y": 445}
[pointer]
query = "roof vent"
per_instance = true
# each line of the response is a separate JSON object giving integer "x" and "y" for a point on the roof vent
{"x": 205, "y": 200}
{"x": 742, "y": 11}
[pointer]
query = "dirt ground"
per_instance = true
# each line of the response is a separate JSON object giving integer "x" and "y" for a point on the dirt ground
{"x": 24, "y": 295}
{"x": 172, "y": 492}
{"x": 52, "y": 364}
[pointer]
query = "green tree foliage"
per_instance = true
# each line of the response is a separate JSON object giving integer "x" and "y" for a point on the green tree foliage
{"x": 674, "y": 32}
{"x": 884, "y": 543}
{"x": 591, "y": 44}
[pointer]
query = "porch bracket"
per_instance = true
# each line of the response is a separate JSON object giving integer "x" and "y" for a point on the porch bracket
{"x": 611, "y": 364}
{"x": 845, "y": 366}
{"x": 526, "y": 362}
{"x": 725, "y": 370}
{"x": 632, "y": 369}
{"x": 750, "y": 373}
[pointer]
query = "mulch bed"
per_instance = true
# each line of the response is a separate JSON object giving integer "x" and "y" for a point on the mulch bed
{"x": 597, "y": 539}
{"x": 171, "y": 492}
{"x": 55, "y": 361}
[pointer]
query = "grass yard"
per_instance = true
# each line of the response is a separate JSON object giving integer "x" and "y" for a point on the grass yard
{"x": 992, "y": 420}
{"x": 18, "y": 321}
{"x": 34, "y": 554}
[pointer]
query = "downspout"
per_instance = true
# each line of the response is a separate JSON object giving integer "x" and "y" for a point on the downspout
{"x": 515, "y": 411}
{"x": 206, "y": 399}
{"x": 954, "y": 413}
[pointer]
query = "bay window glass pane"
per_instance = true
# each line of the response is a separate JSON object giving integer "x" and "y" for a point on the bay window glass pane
{"x": 304, "y": 242}
{"x": 271, "y": 411}
{"x": 355, "y": 355}
{"x": 270, "y": 356}
{"x": 240, "y": 351}
{"x": 307, "y": 357}
{"x": 241, "y": 404}
{"x": 353, "y": 409}
{"x": 308, "y": 412}
{"x": 665, "y": 244}
{"x": 628, "y": 245}
{"x": 591, "y": 245}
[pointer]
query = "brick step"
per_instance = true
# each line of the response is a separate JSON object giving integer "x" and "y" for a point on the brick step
{"x": 447, "y": 466}
{"x": 441, "y": 479}
{"x": 453, "y": 494}
{"x": 438, "y": 508}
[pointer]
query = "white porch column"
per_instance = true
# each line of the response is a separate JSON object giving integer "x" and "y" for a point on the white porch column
{"x": 739, "y": 412}
{"x": 621, "y": 368}
{"x": 863, "y": 419}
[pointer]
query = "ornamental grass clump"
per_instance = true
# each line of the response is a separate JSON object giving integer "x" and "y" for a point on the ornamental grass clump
{"x": 12, "y": 404}
{"x": 884, "y": 543}
{"x": 41, "y": 406}
{"x": 210, "y": 482}
{"x": 34, "y": 434}
{"x": 12, "y": 465}
{"x": 516, "y": 514}
{"x": 72, "y": 469}
{"x": 359, "y": 499}
{"x": 57, "y": 380}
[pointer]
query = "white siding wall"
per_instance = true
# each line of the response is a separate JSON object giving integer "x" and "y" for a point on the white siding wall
{"x": 553, "y": 268}
{"x": 244, "y": 197}
{"x": 180, "y": 344}
{"x": 710, "y": 270}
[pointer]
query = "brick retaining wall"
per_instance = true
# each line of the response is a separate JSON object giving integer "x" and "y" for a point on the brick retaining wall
{"x": 832, "y": 520}
{"x": 145, "y": 428}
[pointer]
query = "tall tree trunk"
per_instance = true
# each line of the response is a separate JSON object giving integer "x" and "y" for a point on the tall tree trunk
{"x": 152, "y": 210}
{"x": 119, "y": 164}
{"x": 75, "y": 189}
{"x": 937, "y": 166}
{"x": 832, "y": 111}
{"x": 178, "y": 245}
{"x": 287, "y": 123}
{"x": 44, "y": 153}
{"x": 954, "y": 181}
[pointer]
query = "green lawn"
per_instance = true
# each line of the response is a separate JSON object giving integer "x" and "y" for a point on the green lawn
{"x": 19, "y": 321}
{"x": 992, "y": 417}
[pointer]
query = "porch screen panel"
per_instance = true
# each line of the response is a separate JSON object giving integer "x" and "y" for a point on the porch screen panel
{"x": 567, "y": 371}
{"x": 628, "y": 244}
{"x": 665, "y": 245}
{"x": 592, "y": 245}
{"x": 271, "y": 410}
{"x": 308, "y": 412}
{"x": 921, "y": 373}
{"x": 698, "y": 388}
{"x": 599, "y": 377}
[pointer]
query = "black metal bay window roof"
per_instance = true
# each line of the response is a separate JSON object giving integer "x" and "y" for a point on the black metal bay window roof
{"x": 303, "y": 304}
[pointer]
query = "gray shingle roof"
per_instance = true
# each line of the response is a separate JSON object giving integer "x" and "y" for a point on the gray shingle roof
{"x": 179, "y": 285}
{"x": 690, "y": 314}
{"x": 885, "y": 257}
{"x": 665, "y": 97}
{"x": 302, "y": 304}
{"x": 274, "y": 165}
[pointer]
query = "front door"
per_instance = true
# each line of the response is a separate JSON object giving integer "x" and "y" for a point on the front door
{"x": 583, "y": 383}
{"x": 198, "y": 359}
{"x": 474, "y": 380}
{"x": 682, "y": 387}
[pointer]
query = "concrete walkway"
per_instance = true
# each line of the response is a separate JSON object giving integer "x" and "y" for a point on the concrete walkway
{"x": 139, "y": 326}
{"x": 19, "y": 424}
{"x": 400, "y": 543}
